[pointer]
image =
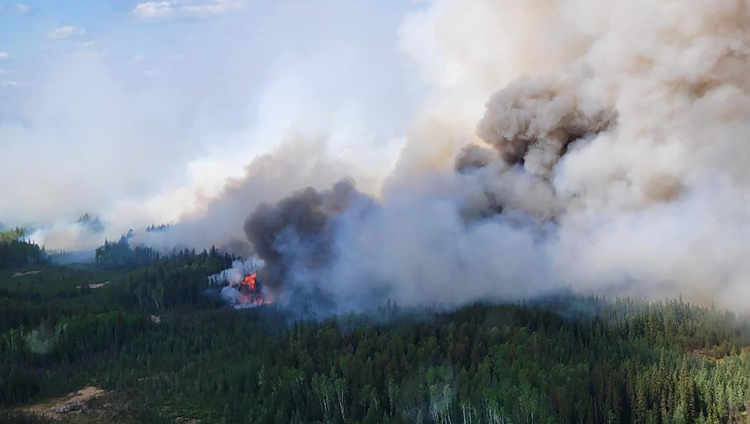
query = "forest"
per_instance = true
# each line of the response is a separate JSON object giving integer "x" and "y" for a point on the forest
{"x": 16, "y": 251}
{"x": 144, "y": 328}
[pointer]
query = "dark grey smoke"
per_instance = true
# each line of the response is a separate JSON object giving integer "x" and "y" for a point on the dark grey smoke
{"x": 237, "y": 247}
{"x": 295, "y": 237}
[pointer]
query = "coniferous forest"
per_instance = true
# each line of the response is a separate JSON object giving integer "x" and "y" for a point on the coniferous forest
{"x": 166, "y": 350}
{"x": 16, "y": 251}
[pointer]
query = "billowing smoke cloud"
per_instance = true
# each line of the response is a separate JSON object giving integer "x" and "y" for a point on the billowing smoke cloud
{"x": 597, "y": 146}
{"x": 234, "y": 275}
{"x": 295, "y": 237}
{"x": 533, "y": 121}
{"x": 297, "y": 163}
{"x": 611, "y": 158}
{"x": 474, "y": 157}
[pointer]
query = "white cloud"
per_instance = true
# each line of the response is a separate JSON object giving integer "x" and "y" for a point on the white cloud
{"x": 66, "y": 31}
{"x": 3, "y": 55}
{"x": 153, "y": 10}
{"x": 22, "y": 8}
{"x": 215, "y": 7}
{"x": 9, "y": 83}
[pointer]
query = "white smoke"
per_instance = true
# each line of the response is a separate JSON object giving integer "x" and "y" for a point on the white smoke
{"x": 231, "y": 295}
{"x": 615, "y": 158}
{"x": 234, "y": 275}
{"x": 298, "y": 162}
{"x": 230, "y": 281}
{"x": 648, "y": 198}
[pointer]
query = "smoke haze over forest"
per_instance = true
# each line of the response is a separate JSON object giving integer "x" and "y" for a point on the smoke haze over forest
{"x": 545, "y": 145}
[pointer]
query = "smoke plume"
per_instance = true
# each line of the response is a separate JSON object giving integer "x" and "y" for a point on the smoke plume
{"x": 593, "y": 146}
{"x": 295, "y": 237}
{"x": 611, "y": 157}
{"x": 297, "y": 163}
{"x": 532, "y": 122}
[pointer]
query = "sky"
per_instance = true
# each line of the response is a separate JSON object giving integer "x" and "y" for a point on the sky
{"x": 135, "y": 111}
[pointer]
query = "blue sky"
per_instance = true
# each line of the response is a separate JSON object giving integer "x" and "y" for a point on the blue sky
{"x": 117, "y": 102}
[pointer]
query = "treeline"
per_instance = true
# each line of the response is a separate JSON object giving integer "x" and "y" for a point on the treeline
{"x": 17, "y": 252}
{"x": 179, "y": 279}
{"x": 121, "y": 254}
{"x": 158, "y": 228}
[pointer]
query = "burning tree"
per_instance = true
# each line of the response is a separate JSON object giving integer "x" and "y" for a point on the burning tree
{"x": 242, "y": 287}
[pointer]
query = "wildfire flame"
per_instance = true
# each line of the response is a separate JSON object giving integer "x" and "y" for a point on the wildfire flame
{"x": 251, "y": 292}
{"x": 249, "y": 281}
{"x": 240, "y": 285}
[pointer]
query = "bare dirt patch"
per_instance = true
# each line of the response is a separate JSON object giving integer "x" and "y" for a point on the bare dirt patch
{"x": 23, "y": 274}
{"x": 96, "y": 285}
{"x": 62, "y": 407}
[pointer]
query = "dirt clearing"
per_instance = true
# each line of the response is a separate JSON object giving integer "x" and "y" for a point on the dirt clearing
{"x": 23, "y": 274}
{"x": 72, "y": 403}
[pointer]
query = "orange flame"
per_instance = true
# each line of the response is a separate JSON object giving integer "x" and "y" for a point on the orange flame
{"x": 249, "y": 281}
{"x": 251, "y": 291}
